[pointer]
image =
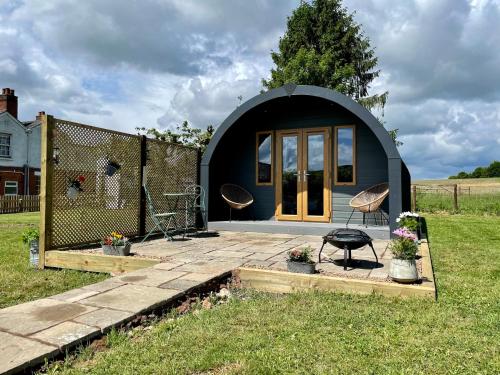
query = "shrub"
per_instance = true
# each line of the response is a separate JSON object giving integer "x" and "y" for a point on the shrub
{"x": 300, "y": 255}
{"x": 409, "y": 220}
{"x": 404, "y": 246}
{"x": 30, "y": 234}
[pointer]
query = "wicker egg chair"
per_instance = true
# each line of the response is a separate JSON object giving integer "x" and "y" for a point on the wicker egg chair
{"x": 236, "y": 197}
{"x": 369, "y": 201}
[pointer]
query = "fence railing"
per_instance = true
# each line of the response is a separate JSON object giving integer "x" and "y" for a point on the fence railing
{"x": 455, "y": 198}
{"x": 92, "y": 182}
{"x": 19, "y": 203}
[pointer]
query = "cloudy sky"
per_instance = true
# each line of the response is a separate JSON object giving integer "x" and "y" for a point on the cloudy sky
{"x": 158, "y": 62}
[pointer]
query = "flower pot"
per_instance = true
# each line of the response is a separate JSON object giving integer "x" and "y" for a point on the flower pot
{"x": 116, "y": 250}
{"x": 403, "y": 271}
{"x": 301, "y": 267}
{"x": 34, "y": 253}
{"x": 111, "y": 169}
{"x": 72, "y": 192}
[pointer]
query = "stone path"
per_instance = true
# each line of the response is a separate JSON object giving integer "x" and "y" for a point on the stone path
{"x": 36, "y": 330}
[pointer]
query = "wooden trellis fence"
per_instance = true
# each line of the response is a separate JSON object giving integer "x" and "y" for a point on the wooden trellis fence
{"x": 92, "y": 182}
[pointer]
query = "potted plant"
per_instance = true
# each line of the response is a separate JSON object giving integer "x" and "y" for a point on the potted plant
{"x": 410, "y": 221}
{"x": 299, "y": 261}
{"x": 75, "y": 187}
{"x": 116, "y": 244}
{"x": 30, "y": 237}
{"x": 404, "y": 249}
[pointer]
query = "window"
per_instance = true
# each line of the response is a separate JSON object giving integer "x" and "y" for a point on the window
{"x": 264, "y": 157}
{"x": 5, "y": 145}
{"x": 345, "y": 155}
{"x": 10, "y": 188}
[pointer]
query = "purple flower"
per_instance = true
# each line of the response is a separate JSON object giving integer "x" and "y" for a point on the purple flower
{"x": 405, "y": 233}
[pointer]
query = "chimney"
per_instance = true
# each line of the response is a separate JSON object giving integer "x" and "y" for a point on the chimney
{"x": 8, "y": 102}
{"x": 39, "y": 116}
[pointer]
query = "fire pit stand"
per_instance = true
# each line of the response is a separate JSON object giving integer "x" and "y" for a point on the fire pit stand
{"x": 347, "y": 239}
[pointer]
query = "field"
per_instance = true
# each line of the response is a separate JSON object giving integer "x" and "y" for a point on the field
{"x": 19, "y": 282}
{"x": 477, "y": 196}
{"x": 317, "y": 333}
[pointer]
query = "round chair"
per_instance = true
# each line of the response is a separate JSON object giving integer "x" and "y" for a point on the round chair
{"x": 236, "y": 197}
{"x": 369, "y": 200}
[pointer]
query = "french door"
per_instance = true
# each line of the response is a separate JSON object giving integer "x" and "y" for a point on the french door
{"x": 303, "y": 175}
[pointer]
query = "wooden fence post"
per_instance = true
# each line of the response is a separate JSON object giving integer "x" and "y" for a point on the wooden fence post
{"x": 142, "y": 207}
{"x": 414, "y": 198}
{"x": 46, "y": 182}
{"x": 455, "y": 197}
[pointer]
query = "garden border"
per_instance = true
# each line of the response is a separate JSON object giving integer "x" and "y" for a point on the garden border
{"x": 286, "y": 282}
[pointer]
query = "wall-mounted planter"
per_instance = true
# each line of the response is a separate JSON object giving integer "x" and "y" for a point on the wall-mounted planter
{"x": 112, "y": 168}
{"x": 72, "y": 192}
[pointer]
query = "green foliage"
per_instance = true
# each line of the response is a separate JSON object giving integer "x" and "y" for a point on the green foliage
{"x": 403, "y": 248}
{"x": 184, "y": 135}
{"x": 301, "y": 255}
{"x": 410, "y": 223}
{"x": 493, "y": 170}
{"x": 30, "y": 234}
{"x": 324, "y": 46}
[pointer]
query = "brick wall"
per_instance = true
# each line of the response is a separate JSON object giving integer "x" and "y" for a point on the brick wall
{"x": 17, "y": 174}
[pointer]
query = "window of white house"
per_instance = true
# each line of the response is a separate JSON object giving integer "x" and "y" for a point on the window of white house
{"x": 10, "y": 188}
{"x": 264, "y": 157}
{"x": 5, "y": 145}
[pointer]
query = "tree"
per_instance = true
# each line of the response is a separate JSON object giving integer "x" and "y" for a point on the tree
{"x": 185, "y": 135}
{"x": 493, "y": 170}
{"x": 324, "y": 46}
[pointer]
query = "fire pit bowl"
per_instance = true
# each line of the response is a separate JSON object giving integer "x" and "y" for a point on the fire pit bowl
{"x": 347, "y": 239}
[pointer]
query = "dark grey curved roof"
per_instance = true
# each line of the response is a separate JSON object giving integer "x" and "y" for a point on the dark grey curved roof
{"x": 305, "y": 90}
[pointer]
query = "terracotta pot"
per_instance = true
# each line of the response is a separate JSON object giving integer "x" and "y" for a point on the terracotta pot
{"x": 116, "y": 250}
{"x": 403, "y": 271}
{"x": 301, "y": 267}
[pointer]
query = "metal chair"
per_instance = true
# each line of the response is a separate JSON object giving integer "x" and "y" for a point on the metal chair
{"x": 161, "y": 221}
{"x": 196, "y": 204}
{"x": 369, "y": 201}
{"x": 236, "y": 197}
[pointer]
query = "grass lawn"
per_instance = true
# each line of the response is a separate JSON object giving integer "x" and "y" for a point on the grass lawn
{"x": 18, "y": 281}
{"x": 318, "y": 333}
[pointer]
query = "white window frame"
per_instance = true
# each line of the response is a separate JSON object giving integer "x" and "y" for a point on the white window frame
{"x": 9, "y": 145}
{"x": 16, "y": 186}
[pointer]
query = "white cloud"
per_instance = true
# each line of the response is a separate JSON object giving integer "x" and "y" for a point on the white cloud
{"x": 157, "y": 63}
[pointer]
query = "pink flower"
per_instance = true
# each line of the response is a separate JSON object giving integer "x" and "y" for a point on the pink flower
{"x": 405, "y": 233}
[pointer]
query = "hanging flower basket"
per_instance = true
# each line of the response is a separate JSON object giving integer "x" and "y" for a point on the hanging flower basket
{"x": 112, "y": 168}
{"x": 75, "y": 187}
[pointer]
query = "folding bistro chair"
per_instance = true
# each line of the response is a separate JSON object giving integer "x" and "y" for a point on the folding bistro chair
{"x": 161, "y": 221}
{"x": 196, "y": 203}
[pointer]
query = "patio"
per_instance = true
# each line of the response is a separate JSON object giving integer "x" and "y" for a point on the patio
{"x": 258, "y": 250}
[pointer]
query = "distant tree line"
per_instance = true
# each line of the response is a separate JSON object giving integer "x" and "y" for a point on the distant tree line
{"x": 493, "y": 170}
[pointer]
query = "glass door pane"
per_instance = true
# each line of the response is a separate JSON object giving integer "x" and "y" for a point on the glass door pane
{"x": 289, "y": 175}
{"x": 315, "y": 174}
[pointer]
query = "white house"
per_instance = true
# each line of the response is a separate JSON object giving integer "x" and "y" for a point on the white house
{"x": 19, "y": 149}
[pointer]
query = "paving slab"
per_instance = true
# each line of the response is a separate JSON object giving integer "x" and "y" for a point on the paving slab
{"x": 31, "y": 317}
{"x": 67, "y": 333}
{"x": 180, "y": 284}
{"x": 259, "y": 256}
{"x": 211, "y": 266}
{"x": 200, "y": 277}
{"x": 149, "y": 277}
{"x": 104, "y": 286}
{"x": 17, "y": 353}
{"x": 229, "y": 254}
{"x": 131, "y": 298}
{"x": 75, "y": 295}
{"x": 104, "y": 318}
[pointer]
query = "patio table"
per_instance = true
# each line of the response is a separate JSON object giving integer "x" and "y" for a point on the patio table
{"x": 173, "y": 200}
